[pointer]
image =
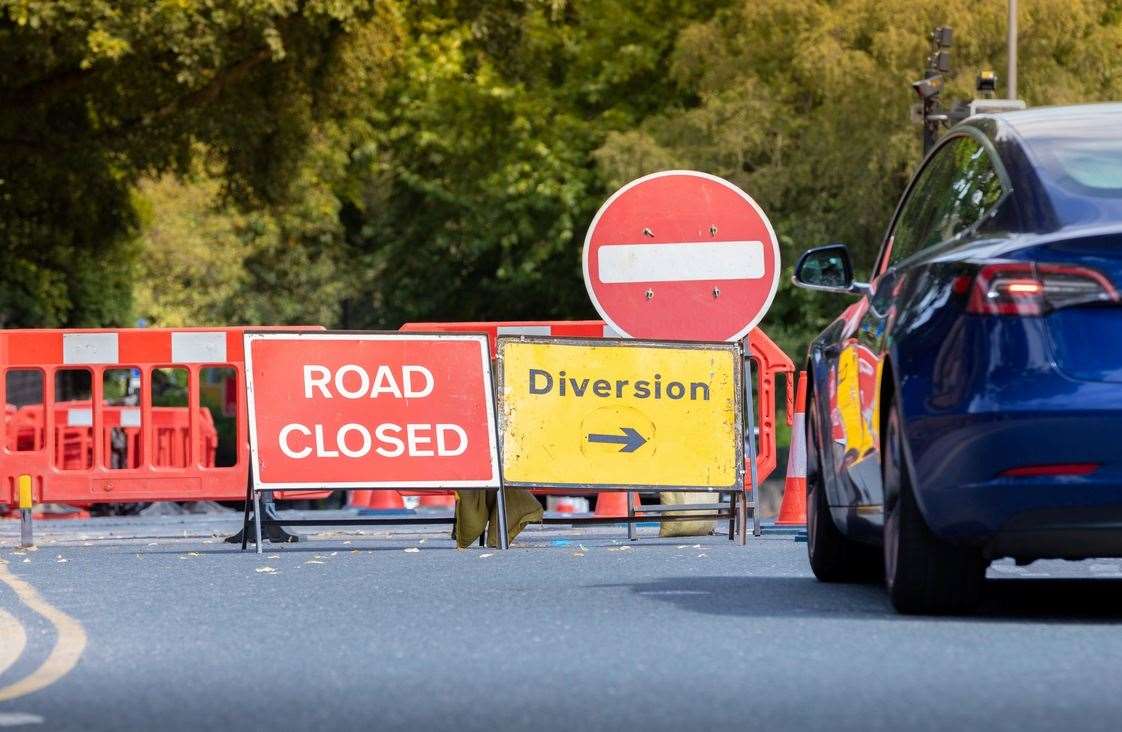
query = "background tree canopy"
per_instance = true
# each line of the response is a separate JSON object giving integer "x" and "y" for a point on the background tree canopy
{"x": 366, "y": 163}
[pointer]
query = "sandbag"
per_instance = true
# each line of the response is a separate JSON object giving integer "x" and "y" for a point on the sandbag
{"x": 478, "y": 511}
{"x": 699, "y": 527}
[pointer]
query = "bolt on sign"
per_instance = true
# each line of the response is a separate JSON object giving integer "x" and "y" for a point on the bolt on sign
{"x": 620, "y": 413}
{"x": 368, "y": 410}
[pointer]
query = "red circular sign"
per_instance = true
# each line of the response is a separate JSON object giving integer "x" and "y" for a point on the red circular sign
{"x": 681, "y": 255}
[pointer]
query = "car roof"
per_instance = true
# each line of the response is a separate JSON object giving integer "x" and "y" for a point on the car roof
{"x": 1040, "y": 121}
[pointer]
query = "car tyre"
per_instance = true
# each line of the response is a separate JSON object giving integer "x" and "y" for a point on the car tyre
{"x": 833, "y": 557}
{"x": 923, "y": 573}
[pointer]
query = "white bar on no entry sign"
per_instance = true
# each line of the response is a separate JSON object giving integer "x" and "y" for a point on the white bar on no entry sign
{"x": 730, "y": 260}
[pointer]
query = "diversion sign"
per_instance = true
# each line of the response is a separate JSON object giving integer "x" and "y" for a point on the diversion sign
{"x": 620, "y": 414}
{"x": 370, "y": 410}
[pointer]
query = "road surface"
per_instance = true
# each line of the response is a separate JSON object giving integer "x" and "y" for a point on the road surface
{"x": 153, "y": 623}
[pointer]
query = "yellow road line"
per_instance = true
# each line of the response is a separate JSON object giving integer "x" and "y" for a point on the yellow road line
{"x": 70, "y": 641}
{"x": 13, "y": 640}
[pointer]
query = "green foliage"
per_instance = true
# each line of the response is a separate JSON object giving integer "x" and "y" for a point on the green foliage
{"x": 471, "y": 199}
{"x": 96, "y": 94}
{"x": 367, "y": 163}
{"x": 804, "y": 104}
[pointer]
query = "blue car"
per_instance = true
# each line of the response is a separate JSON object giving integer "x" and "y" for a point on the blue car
{"x": 968, "y": 406}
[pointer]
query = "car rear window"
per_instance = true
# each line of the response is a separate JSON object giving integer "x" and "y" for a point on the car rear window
{"x": 1080, "y": 163}
{"x": 1092, "y": 166}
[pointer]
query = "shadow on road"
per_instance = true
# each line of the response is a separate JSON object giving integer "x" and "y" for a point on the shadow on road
{"x": 1044, "y": 600}
{"x": 296, "y": 548}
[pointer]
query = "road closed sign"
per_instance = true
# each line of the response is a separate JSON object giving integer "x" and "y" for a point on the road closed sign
{"x": 620, "y": 414}
{"x": 369, "y": 410}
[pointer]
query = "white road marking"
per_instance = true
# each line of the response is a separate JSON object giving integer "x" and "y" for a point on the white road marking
{"x": 18, "y": 719}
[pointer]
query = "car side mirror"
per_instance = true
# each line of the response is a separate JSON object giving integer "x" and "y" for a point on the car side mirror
{"x": 829, "y": 269}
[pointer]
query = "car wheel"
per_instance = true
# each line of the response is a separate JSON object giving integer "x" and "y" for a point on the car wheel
{"x": 923, "y": 573}
{"x": 833, "y": 557}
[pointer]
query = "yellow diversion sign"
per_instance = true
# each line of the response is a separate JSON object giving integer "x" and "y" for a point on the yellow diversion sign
{"x": 620, "y": 413}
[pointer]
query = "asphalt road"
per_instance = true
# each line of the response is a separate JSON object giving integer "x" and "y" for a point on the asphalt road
{"x": 573, "y": 631}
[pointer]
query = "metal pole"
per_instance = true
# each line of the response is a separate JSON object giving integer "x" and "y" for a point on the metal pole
{"x": 504, "y": 542}
{"x": 750, "y": 443}
{"x": 1011, "y": 42}
{"x": 257, "y": 519}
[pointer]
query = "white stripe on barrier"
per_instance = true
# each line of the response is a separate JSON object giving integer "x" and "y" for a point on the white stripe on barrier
{"x": 79, "y": 417}
{"x": 610, "y": 332}
{"x": 796, "y": 458}
{"x": 730, "y": 260}
{"x": 130, "y": 417}
{"x": 538, "y": 330}
{"x": 89, "y": 348}
{"x": 198, "y": 347}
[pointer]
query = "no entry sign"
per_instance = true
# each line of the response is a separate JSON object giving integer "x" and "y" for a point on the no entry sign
{"x": 616, "y": 414}
{"x": 681, "y": 255}
{"x": 369, "y": 410}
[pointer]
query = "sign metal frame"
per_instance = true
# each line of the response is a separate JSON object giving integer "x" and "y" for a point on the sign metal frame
{"x": 489, "y": 396}
{"x": 255, "y": 488}
{"x": 735, "y": 347}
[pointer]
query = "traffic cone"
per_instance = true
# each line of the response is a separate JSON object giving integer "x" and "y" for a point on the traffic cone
{"x": 792, "y": 510}
{"x": 358, "y": 499}
{"x": 384, "y": 501}
{"x": 613, "y": 504}
{"x": 438, "y": 500}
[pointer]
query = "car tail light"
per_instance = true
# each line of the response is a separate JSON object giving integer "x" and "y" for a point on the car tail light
{"x": 1026, "y": 288}
{"x": 1034, "y": 471}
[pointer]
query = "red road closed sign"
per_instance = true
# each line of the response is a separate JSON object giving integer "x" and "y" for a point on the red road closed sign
{"x": 681, "y": 255}
{"x": 369, "y": 410}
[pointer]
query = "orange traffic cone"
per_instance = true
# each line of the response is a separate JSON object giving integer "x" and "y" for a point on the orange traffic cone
{"x": 384, "y": 500}
{"x": 438, "y": 500}
{"x": 613, "y": 504}
{"x": 358, "y": 499}
{"x": 792, "y": 510}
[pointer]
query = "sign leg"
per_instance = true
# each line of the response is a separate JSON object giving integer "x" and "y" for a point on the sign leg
{"x": 630, "y": 515}
{"x": 750, "y": 443}
{"x": 742, "y": 520}
{"x": 732, "y": 515}
{"x": 504, "y": 543}
{"x": 245, "y": 512}
{"x": 257, "y": 518}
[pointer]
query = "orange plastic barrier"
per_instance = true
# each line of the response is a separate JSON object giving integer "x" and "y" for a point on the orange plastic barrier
{"x": 143, "y": 452}
{"x": 74, "y": 445}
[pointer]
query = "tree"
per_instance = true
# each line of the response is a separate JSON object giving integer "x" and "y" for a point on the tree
{"x": 96, "y": 94}
{"x": 472, "y": 197}
{"x": 803, "y": 103}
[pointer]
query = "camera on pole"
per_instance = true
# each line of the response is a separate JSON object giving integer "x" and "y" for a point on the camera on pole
{"x": 931, "y": 85}
{"x": 931, "y": 113}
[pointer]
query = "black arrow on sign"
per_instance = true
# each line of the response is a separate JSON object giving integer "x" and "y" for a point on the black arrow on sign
{"x": 630, "y": 439}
